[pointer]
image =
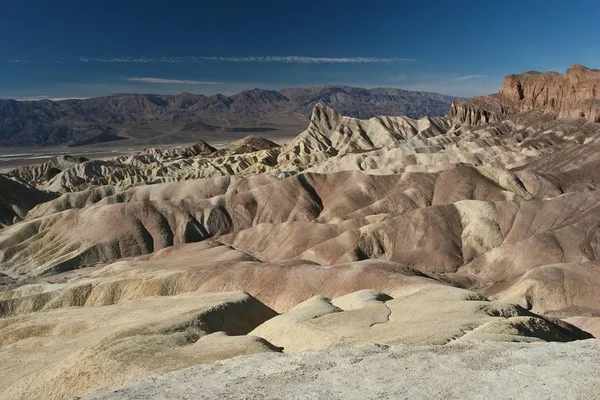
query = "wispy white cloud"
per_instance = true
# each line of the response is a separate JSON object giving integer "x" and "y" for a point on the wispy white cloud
{"x": 172, "y": 81}
{"x": 39, "y": 98}
{"x": 309, "y": 60}
{"x": 464, "y": 78}
{"x": 251, "y": 59}
{"x": 35, "y": 60}
{"x": 127, "y": 60}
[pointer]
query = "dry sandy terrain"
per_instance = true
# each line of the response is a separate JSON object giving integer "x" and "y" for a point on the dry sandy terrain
{"x": 457, "y": 371}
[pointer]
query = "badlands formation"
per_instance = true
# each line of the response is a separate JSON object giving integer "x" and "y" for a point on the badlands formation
{"x": 440, "y": 237}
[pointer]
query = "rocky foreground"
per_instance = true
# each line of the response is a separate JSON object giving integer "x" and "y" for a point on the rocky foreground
{"x": 455, "y": 232}
{"x": 455, "y": 371}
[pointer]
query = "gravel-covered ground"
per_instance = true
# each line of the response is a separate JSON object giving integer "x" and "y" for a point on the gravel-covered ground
{"x": 455, "y": 371}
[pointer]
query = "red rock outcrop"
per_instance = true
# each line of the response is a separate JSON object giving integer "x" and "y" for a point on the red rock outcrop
{"x": 576, "y": 94}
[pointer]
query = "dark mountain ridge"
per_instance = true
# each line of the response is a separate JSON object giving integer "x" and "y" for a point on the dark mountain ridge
{"x": 123, "y": 116}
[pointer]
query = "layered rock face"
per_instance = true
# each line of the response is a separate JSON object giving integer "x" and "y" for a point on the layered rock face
{"x": 576, "y": 94}
{"x": 572, "y": 95}
{"x": 481, "y": 226}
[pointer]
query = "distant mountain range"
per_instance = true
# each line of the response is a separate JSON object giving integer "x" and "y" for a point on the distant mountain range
{"x": 148, "y": 116}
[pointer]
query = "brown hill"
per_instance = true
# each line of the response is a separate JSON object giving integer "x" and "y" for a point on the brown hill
{"x": 17, "y": 199}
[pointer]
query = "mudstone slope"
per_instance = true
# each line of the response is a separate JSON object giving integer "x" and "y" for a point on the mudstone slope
{"x": 479, "y": 226}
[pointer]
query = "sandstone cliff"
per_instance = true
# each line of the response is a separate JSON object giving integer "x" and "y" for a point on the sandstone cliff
{"x": 576, "y": 94}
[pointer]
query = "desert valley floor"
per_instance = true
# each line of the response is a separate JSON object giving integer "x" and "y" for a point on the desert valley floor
{"x": 362, "y": 258}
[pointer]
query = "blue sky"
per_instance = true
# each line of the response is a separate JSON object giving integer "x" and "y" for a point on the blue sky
{"x": 82, "y": 48}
